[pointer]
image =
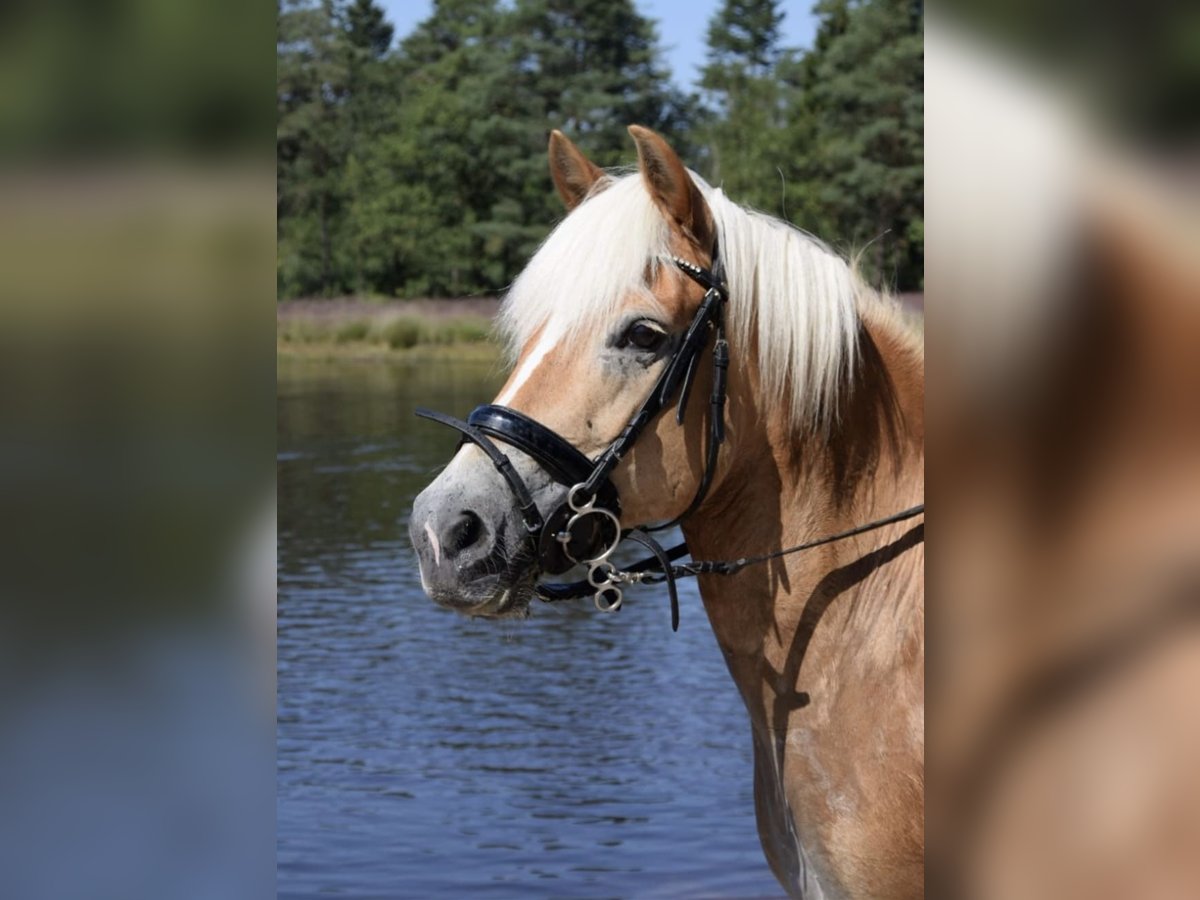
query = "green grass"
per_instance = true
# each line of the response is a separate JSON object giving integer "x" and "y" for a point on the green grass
{"x": 354, "y": 330}
{"x": 482, "y": 352}
{"x": 385, "y": 333}
{"x": 399, "y": 333}
{"x": 395, "y": 331}
{"x": 302, "y": 331}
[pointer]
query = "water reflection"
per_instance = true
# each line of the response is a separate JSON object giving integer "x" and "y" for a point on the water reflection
{"x": 422, "y": 754}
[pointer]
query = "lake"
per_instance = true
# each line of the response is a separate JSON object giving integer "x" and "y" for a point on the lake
{"x": 422, "y": 754}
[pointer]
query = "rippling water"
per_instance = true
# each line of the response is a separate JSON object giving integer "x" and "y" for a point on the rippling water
{"x": 422, "y": 754}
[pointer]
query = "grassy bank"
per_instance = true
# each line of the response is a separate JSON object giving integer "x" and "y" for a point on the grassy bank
{"x": 461, "y": 329}
{"x": 397, "y": 332}
{"x": 360, "y": 328}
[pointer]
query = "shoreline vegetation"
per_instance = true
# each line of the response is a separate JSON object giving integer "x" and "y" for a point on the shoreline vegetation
{"x": 351, "y": 327}
{"x": 356, "y": 327}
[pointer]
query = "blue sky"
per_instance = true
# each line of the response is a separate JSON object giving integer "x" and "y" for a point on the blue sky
{"x": 682, "y": 25}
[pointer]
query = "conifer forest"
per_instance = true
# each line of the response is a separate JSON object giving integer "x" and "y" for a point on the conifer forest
{"x": 413, "y": 165}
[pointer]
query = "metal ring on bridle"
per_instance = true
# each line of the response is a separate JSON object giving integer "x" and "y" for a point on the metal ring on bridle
{"x": 564, "y": 536}
{"x": 606, "y": 569}
{"x": 602, "y": 604}
{"x": 579, "y": 507}
{"x": 605, "y": 585}
{"x": 581, "y": 510}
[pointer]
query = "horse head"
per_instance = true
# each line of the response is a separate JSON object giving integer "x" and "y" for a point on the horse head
{"x": 594, "y": 321}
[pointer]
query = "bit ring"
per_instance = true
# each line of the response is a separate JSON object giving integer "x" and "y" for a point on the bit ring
{"x": 604, "y": 605}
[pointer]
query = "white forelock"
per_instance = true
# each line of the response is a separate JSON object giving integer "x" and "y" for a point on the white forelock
{"x": 590, "y": 263}
{"x": 792, "y": 301}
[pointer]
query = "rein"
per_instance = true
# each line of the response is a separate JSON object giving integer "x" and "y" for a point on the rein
{"x": 586, "y": 528}
{"x": 641, "y": 572}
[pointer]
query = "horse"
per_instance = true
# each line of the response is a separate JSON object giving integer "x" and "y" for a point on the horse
{"x": 819, "y": 421}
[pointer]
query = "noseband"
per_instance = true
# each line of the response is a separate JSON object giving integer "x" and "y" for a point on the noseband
{"x": 585, "y": 529}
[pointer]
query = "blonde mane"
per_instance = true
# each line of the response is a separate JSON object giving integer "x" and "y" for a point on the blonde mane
{"x": 791, "y": 299}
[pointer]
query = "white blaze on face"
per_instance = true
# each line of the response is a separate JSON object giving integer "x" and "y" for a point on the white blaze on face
{"x": 546, "y": 342}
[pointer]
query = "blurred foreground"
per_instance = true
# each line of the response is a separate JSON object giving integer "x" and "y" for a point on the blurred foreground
{"x": 136, "y": 569}
{"x": 1063, "y": 327}
{"x": 136, "y": 439}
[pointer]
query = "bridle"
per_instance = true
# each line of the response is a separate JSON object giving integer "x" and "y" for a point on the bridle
{"x": 585, "y": 529}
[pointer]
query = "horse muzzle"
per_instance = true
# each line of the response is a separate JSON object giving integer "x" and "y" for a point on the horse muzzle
{"x": 472, "y": 554}
{"x": 582, "y": 525}
{"x": 481, "y": 543}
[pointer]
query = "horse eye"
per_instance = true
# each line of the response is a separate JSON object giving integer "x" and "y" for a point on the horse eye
{"x": 643, "y": 336}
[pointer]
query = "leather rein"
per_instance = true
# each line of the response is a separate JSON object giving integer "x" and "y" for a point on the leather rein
{"x": 586, "y": 529}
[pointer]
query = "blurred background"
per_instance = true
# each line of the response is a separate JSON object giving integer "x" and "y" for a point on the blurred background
{"x": 136, "y": 444}
{"x": 1063, "y": 326}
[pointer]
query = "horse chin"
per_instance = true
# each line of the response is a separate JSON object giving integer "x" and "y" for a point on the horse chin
{"x": 510, "y": 603}
{"x": 491, "y": 598}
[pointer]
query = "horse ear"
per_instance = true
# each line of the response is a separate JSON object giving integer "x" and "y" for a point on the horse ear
{"x": 671, "y": 187}
{"x": 573, "y": 173}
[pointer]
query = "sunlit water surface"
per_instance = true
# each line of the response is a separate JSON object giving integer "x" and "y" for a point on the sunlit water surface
{"x": 422, "y": 754}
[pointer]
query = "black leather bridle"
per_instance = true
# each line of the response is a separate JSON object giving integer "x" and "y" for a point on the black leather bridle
{"x": 585, "y": 528}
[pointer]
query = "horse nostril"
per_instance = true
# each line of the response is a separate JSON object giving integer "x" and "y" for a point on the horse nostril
{"x": 466, "y": 532}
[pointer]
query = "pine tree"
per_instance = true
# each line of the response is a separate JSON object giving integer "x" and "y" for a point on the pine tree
{"x": 367, "y": 29}
{"x": 311, "y": 88}
{"x": 594, "y": 68}
{"x": 744, "y": 96}
{"x": 333, "y": 102}
{"x": 436, "y": 179}
{"x": 420, "y": 169}
{"x": 743, "y": 36}
{"x": 864, "y": 90}
{"x": 371, "y": 113}
{"x": 461, "y": 198}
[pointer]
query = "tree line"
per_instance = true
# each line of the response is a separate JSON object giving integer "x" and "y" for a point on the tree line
{"x": 417, "y": 167}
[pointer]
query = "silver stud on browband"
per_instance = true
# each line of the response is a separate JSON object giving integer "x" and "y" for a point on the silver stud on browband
{"x": 691, "y": 267}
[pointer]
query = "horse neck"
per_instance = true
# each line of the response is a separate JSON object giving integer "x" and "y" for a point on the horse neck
{"x": 780, "y": 490}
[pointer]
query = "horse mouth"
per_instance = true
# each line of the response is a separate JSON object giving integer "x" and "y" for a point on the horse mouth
{"x": 511, "y": 602}
{"x": 489, "y": 598}
{"x": 501, "y": 586}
